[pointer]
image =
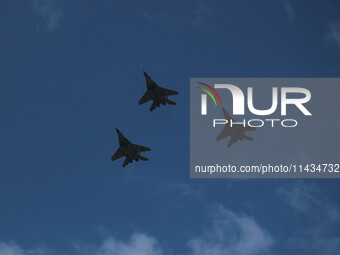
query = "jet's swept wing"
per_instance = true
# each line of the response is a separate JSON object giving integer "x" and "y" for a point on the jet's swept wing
{"x": 140, "y": 148}
{"x": 224, "y": 134}
{"x": 231, "y": 141}
{"x": 145, "y": 98}
{"x": 151, "y": 83}
{"x": 168, "y": 92}
{"x": 126, "y": 162}
{"x": 118, "y": 154}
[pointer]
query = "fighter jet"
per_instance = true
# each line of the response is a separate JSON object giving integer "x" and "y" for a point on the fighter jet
{"x": 156, "y": 93}
{"x": 236, "y": 132}
{"x": 129, "y": 150}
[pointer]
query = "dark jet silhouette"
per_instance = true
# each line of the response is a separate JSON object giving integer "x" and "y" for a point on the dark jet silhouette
{"x": 236, "y": 132}
{"x": 129, "y": 150}
{"x": 156, "y": 93}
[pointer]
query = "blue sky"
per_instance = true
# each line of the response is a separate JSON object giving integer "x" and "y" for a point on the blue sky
{"x": 71, "y": 72}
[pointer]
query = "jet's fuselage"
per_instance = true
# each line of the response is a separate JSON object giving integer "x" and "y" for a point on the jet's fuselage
{"x": 130, "y": 153}
{"x": 157, "y": 97}
{"x": 127, "y": 147}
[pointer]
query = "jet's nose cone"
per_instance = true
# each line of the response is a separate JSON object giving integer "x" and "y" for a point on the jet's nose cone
{"x": 145, "y": 74}
{"x": 117, "y": 130}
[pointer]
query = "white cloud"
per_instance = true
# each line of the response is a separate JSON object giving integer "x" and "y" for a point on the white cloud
{"x": 289, "y": 10}
{"x": 139, "y": 244}
{"x": 321, "y": 237}
{"x": 13, "y": 249}
{"x": 10, "y": 249}
{"x": 307, "y": 198}
{"x": 49, "y": 12}
{"x": 231, "y": 234}
{"x": 298, "y": 196}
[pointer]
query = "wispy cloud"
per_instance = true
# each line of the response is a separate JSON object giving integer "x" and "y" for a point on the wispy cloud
{"x": 187, "y": 190}
{"x": 333, "y": 33}
{"x": 49, "y": 12}
{"x": 289, "y": 10}
{"x": 202, "y": 14}
{"x": 11, "y": 248}
{"x": 298, "y": 196}
{"x": 231, "y": 234}
{"x": 307, "y": 198}
{"x": 139, "y": 244}
{"x": 321, "y": 237}
{"x": 159, "y": 187}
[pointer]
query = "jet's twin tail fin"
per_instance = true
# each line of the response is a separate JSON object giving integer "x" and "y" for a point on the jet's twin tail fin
{"x": 143, "y": 158}
{"x": 231, "y": 142}
{"x": 153, "y": 106}
{"x": 248, "y": 138}
{"x": 126, "y": 162}
{"x": 170, "y": 102}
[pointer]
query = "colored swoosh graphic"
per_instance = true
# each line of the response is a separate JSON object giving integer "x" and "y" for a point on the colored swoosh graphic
{"x": 213, "y": 90}
{"x": 208, "y": 92}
